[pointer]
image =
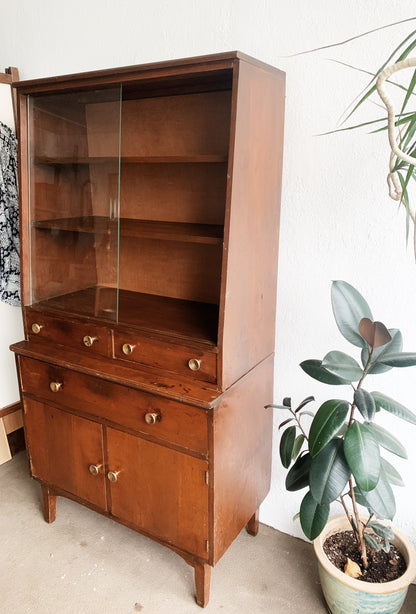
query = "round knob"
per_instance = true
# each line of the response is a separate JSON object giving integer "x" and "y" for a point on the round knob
{"x": 89, "y": 341}
{"x": 194, "y": 364}
{"x": 55, "y": 386}
{"x": 127, "y": 349}
{"x": 94, "y": 469}
{"x": 151, "y": 417}
{"x": 112, "y": 476}
{"x": 36, "y": 328}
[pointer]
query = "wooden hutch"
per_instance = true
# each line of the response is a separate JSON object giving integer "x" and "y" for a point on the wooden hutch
{"x": 150, "y": 203}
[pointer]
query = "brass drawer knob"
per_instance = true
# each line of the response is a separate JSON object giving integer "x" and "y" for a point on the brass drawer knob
{"x": 55, "y": 386}
{"x": 89, "y": 341}
{"x": 194, "y": 364}
{"x": 94, "y": 469}
{"x": 127, "y": 349}
{"x": 36, "y": 328}
{"x": 112, "y": 475}
{"x": 151, "y": 417}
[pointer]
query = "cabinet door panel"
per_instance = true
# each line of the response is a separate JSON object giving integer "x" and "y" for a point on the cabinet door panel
{"x": 160, "y": 490}
{"x": 62, "y": 447}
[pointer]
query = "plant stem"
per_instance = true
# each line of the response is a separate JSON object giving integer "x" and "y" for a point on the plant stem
{"x": 359, "y": 533}
{"x": 347, "y": 513}
{"x": 365, "y": 372}
{"x": 299, "y": 425}
{"x": 361, "y": 541}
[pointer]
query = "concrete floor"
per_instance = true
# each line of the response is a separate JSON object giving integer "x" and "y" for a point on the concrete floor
{"x": 84, "y": 563}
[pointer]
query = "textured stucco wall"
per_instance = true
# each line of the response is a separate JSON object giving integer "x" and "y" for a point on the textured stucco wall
{"x": 337, "y": 221}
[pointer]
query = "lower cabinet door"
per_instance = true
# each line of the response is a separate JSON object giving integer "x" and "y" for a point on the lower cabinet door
{"x": 160, "y": 490}
{"x": 66, "y": 451}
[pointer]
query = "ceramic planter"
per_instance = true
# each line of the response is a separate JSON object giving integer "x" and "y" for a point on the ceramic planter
{"x": 345, "y": 595}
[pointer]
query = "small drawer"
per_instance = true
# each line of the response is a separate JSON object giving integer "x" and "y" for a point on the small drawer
{"x": 200, "y": 364}
{"x": 164, "y": 419}
{"x": 88, "y": 337}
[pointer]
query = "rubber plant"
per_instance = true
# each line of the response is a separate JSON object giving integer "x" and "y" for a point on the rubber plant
{"x": 340, "y": 455}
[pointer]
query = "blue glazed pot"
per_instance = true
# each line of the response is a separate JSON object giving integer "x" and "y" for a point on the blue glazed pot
{"x": 345, "y": 595}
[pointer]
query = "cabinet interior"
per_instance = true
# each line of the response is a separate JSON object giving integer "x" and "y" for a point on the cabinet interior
{"x": 127, "y": 204}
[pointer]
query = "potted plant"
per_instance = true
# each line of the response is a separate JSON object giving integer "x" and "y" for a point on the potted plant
{"x": 339, "y": 457}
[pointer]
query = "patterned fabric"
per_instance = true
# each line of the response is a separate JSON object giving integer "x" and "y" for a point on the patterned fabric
{"x": 9, "y": 219}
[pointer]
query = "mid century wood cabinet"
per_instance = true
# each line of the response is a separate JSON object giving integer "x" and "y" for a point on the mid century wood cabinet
{"x": 149, "y": 233}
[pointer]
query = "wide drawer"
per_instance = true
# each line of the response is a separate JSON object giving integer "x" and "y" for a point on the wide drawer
{"x": 83, "y": 336}
{"x": 165, "y": 419}
{"x": 201, "y": 364}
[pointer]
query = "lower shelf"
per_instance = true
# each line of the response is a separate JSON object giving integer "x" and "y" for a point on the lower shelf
{"x": 148, "y": 312}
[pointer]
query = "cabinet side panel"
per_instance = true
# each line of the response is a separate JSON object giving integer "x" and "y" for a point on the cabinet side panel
{"x": 248, "y": 303}
{"x": 242, "y": 451}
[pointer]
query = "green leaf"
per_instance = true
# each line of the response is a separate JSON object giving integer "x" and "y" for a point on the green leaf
{"x": 371, "y": 541}
{"x": 386, "y": 440}
{"x": 380, "y": 500}
{"x": 371, "y": 88}
{"x": 380, "y": 529}
{"x": 402, "y": 359}
{"x": 409, "y": 92}
{"x": 365, "y": 404}
{"x": 313, "y": 517}
{"x": 282, "y": 424}
{"x": 394, "y": 346}
{"x": 306, "y": 413}
{"x": 375, "y": 544}
{"x": 342, "y": 430}
{"x": 342, "y": 365}
{"x": 298, "y": 445}
{"x": 314, "y": 369}
{"x": 386, "y": 546}
{"x": 298, "y": 476}
{"x": 363, "y": 456}
{"x": 303, "y": 403}
{"x": 329, "y": 473}
{"x": 287, "y": 444}
{"x": 361, "y": 500}
{"x": 393, "y": 407}
{"x": 349, "y": 308}
{"x": 391, "y": 473}
{"x": 328, "y": 420}
{"x": 271, "y": 405}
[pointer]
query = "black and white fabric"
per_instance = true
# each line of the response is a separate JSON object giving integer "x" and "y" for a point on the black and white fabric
{"x": 9, "y": 219}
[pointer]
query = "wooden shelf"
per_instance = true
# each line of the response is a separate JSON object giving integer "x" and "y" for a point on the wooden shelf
{"x": 185, "y": 320}
{"x": 145, "y": 229}
{"x": 182, "y": 159}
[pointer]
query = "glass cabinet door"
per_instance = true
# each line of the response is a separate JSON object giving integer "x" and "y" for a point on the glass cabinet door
{"x": 74, "y": 162}
{"x": 174, "y": 157}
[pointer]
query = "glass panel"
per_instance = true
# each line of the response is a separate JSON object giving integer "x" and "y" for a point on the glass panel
{"x": 74, "y": 201}
{"x": 174, "y": 156}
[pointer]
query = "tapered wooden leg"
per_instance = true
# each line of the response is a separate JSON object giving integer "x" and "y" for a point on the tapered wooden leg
{"x": 253, "y": 524}
{"x": 202, "y": 583}
{"x": 49, "y": 504}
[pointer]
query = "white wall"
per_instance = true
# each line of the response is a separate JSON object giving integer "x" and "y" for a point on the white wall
{"x": 337, "y": 221}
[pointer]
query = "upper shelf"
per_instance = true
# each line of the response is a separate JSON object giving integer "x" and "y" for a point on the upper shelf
{"x": 167, "y": 231}
{"x": 182, "y": 159}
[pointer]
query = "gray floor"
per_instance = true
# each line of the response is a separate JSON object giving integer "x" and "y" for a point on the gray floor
{"x": 85, "y": 563}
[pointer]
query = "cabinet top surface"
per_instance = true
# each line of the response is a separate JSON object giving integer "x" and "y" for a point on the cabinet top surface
{"x": 218, "y": 61}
